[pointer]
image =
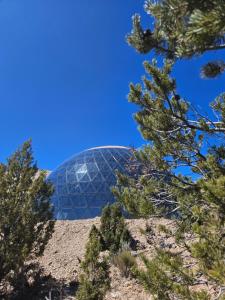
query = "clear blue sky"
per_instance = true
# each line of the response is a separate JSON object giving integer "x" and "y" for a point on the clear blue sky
{"x": 64, "y": 75}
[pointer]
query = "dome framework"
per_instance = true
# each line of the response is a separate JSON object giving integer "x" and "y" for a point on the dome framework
{"x": 83, "y": 183}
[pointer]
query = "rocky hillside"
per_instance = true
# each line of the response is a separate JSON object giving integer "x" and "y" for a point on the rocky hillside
{"x": 66, "y": 248}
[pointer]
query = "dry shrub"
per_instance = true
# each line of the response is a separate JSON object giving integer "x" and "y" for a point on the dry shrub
{"x": 124, "y": 261}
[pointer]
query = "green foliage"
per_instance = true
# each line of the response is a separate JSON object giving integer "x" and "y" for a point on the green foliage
{"x": 113, "y": 228}
{"x": 25, "y": 212}
{"x": 166, "y": 278}
{"x": 93, "y": 249}
{"x": 113, "y": 235}
{"x": 213, "y": 69}
{"x": 125, "y": 262}
{"x": 179, "y": 138}
{"x": 94, "y": 281}
{"x": 182, "y": 28}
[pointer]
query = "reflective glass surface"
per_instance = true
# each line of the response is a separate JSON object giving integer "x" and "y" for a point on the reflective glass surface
{"x": 83, "y": 183}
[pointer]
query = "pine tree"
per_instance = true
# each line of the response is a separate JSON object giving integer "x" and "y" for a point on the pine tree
{"x": 25, "y": 212}
{"x": 180, "y": 136}
{"x": 113, "y": 228}
{"x": 94, "y": 281}
{"x": 182, "y": 28}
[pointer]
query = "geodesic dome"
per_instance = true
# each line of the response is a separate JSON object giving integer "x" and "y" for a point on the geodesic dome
{"x": 83, "y": 183}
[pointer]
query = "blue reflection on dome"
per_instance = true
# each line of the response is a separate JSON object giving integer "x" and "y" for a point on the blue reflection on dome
{"x": 83, "y": 183}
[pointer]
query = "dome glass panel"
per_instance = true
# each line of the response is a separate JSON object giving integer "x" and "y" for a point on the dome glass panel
{"x": 83, "y": 183}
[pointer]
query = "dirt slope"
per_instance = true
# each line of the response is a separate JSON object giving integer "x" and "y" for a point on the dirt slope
{"x": 66, "y": 248}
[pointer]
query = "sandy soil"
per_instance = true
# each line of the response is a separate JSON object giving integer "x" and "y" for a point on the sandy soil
{"x": 66, "y": 249}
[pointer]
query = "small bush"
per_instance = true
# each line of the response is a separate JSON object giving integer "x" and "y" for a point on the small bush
{"x": 93, "y": 286}
{"x": 124, "y": 262}
{"x": 94, "y": 281}
{"x": 113, "y": 228}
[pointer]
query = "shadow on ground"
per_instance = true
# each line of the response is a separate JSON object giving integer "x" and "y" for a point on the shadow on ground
{"x": 33, "y": 284}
